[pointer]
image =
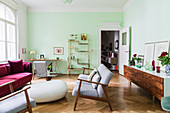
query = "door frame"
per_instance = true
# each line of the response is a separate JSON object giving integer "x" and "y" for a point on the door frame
{"x": 108, "y": 26}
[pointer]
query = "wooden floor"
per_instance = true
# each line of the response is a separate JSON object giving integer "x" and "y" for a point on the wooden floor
{"x": 124, "y": 99}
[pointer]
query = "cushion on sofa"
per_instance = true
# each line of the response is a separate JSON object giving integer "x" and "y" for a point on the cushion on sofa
{"x": 3, "y": 70}
{"x": 8, "y": 67}
{"x": 16, "y": 66}
{"x": 20, "y": 80}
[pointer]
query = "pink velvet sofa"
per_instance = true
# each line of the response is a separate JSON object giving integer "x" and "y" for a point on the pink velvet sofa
{"x": 20, "y": 72}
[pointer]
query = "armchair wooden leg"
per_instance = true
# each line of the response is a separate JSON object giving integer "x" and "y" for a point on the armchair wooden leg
{"x": 107, "y": 98}
{"x": 28, "y": 102}
{"x": 78, "y": 92}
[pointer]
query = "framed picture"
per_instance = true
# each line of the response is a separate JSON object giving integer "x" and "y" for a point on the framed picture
{"x": 58, "y": 50}
{"x": 41, "y": 57}
{"x": 149, "y": 52}
{"x": 24, "y": 51}
{"x": 160, "y": 47}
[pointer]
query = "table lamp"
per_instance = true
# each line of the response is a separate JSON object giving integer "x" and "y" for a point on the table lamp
{"x": 32, "y": 53}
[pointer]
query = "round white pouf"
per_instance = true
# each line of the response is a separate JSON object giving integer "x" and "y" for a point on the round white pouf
{"x": 48, "y": 91}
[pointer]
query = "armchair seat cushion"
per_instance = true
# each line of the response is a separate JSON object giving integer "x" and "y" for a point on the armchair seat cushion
{"x": 15, "y": 104}
{"x": 86, "y": 89}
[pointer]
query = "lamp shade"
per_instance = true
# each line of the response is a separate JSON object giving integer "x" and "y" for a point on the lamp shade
{"x": 32, "y": 52}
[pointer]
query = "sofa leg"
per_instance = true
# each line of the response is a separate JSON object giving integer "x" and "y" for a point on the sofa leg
{"x": 30, "y": 82}
{"x": 78, "y": 92}
{"x": 107, "y": 98}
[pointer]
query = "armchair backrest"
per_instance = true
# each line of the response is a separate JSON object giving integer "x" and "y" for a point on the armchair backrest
{"x": 40, "y": 68}
{"x": 106, "y": 76}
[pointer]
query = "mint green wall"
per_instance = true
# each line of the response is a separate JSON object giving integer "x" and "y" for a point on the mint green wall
{"x": 48, "y": 30}
{"x": 150, "y": 21}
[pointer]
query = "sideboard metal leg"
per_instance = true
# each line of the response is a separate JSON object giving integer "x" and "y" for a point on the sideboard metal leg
{"x": 130, "y": 83}
{"x": 153, "y": 98}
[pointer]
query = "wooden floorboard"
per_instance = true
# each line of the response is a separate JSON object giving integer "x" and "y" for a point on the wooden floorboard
{"x": 124, "y": 99}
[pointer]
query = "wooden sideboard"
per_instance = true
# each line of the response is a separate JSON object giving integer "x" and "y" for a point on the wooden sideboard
{"x": 157, "y": 84}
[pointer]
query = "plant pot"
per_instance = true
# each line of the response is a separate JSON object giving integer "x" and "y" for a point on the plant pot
{"x": 167, "y": 70}
{"x": 133, "y": 63}
{"x": 130, "y": 63}
{"x": 48, "y": 72}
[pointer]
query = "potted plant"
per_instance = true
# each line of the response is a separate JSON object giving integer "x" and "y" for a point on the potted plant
{"x": 165, "y": 61}
{"x": 135, "y": 60}
{"x": 48, "y": 70}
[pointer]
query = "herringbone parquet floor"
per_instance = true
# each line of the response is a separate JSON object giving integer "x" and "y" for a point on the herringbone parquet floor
{"x": 124, "y": 99}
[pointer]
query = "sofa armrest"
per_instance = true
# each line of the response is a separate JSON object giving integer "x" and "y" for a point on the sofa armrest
{"x": 92, "y": 82}
{"x": 10, "y": 85}
{"x": 15, "y": 93}
{"x": 27, "y": 66}
{"x": 7, "y": 83}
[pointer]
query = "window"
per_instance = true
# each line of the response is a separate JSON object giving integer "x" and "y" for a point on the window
{"x": 8, "y": 40}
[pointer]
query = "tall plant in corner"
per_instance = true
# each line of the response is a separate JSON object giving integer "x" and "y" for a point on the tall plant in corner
{"x": 165, "y": 61}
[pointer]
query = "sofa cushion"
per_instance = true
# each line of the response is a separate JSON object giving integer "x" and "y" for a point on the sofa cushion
{"x": 16, "y": 66}
{"x": 17, "y": 103}
{"x": 86, "y": 89}
{"x": 8, "y": 67}
{"x": 3, "y": 70}
{"x": 20, "y": 79}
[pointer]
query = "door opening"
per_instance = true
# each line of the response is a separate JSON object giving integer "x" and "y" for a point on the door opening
{"x": 110, "y": 49}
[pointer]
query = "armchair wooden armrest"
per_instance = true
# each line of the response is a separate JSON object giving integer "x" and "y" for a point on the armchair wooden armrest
{"x": 92, "y": 82}
{"x": 86, "y": 69}
{"x": 29, "y": 108}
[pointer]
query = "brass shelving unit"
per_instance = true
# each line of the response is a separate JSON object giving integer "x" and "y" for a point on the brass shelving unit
{"x": 73, "y": 50}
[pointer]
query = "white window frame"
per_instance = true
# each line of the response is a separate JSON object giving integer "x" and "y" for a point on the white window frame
{"x": 16, "y": 38}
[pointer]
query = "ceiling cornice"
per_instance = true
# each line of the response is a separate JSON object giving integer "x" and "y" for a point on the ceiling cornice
{"x": 128, "y": 4}
{"x": 67, "y": 9}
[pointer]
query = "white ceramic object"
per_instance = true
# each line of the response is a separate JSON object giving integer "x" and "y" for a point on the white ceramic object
{"x": 48, "y": 91}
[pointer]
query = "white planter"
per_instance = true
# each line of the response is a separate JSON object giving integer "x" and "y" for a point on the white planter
{"x": 48, "y": 72}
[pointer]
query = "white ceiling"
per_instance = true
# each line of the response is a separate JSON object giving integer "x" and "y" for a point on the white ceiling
{"x": 76, "y": 5}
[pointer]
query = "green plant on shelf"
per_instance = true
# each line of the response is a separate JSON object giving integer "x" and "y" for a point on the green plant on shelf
{"x": 164, "y": 58}
{"x": 48, "y": 67}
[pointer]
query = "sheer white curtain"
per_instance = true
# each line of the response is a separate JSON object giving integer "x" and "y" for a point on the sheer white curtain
{"x": 8, "y": 39}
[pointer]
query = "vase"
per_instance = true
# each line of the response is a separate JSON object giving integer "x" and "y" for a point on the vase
{"x": 48, "y": 72}
{"x": 167, "y": 69}
{"x": 136, "y": 62}
{"x": 147, "y": 66}
{"x": 133, "y": 63}
{"x": 130, "y": 63}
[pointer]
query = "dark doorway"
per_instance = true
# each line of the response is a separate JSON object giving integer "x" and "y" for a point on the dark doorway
{"x": 109, "y": 49}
